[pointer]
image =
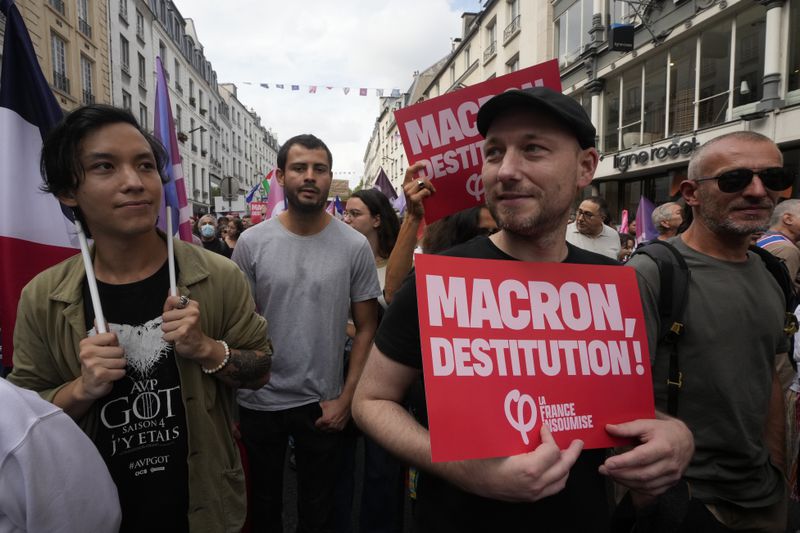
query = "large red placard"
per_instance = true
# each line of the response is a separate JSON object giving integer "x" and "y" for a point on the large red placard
{"x": 442, "y": 134}
{"x": 508, "y": 345}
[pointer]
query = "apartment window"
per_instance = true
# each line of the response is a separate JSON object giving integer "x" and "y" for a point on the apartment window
{"x": 126, "y": 100}
{"x": 58, "y": 5}
{"x": 611, "y": 106}
{"x": 631, "y": 108}
{"x": 192, "y": 129}
{"x": 142, "y": 72}
{"x": 513, "y": 26}
{"x": 58, "y": 49}
{"x": 748, "y": 69}
{"x": 139, "y": 25}
{"x": 162, "y": 53}
{"x": 191, "y": 92}
{"x": 452, "y": 74}
{"x": 468, "y": 59}
{"x": 714, "y": 75}
{"x": 655, "y": 98}
{"x": 123, "y": 10}
{"x": 143, "y": 116}
{"x": 178, "y": 118}
{"x": 86, "y": 80}
{"x": 491, "y": 39}
{"x": 125, "y": 54}
{"x": 83, "y": 18}
{"x": 512, "y": 65}
{"x": 681, "y": 88}
{"x": 623, "y": 11}
{"x": 572, "y": 30}
{"x": 793, "y": 79}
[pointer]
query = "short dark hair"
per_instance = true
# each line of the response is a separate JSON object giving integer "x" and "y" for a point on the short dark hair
{"x": 453, "y": 229}
{"x": 306, "y": 140}
{"x": 379, "y": 205}
{"x": 601, "y": 204}
{"x": 60, "y": 163}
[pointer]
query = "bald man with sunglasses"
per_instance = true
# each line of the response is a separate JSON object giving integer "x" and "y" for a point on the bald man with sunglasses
{"x": 729, "y": 395}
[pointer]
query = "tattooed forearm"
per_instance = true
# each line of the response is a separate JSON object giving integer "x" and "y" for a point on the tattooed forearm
{"x": 247, "y": 369}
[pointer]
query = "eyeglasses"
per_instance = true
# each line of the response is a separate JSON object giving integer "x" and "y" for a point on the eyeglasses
{"x": 776, "y": 179}
{"x": 352, "y": 214}
{"x": 587, "y": 216}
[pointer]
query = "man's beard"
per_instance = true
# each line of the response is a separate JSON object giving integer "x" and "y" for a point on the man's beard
{"x": 541, "y": 223}
{"x": 305, "y": 207}
{"x": 718, "y": 219}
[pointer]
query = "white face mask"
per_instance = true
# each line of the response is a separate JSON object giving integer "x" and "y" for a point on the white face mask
{"x": 207, "y": 230}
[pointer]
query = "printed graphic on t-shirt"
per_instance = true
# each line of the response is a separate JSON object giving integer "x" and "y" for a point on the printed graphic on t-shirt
{"x": 141, "y": 413}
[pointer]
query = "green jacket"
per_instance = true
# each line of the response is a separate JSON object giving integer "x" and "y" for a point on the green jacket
{"x": 51, "y": 324}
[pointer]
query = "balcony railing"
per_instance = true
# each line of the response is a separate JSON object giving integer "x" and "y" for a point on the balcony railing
{"x": 142, "y": 83}
{"x": 511, "y": 30}
{"x": 58, "y": 5}
{"x": 61, "y": 82}
{"x": 178, "y": 87}
{"x": 85, "y": 28}
{"x": 125, "y": 68}
{"x": 88, "y": 97}
{"x": 490, "y": 51}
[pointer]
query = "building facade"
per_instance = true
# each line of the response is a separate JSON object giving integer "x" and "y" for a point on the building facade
{"x": 697, "y": 69}
{"x": 71, "y": 43}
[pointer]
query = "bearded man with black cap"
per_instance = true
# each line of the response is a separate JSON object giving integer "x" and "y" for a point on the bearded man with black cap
{"x": 539, "y": 152}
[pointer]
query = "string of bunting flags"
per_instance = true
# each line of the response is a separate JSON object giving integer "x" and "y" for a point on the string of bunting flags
{"x": 314, "y": 89}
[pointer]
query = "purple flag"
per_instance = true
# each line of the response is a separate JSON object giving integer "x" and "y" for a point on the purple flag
{"x": 645, "y": 229}
{"x": 383, "y": 184}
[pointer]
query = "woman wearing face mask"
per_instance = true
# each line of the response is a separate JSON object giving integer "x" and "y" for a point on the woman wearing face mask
{"x": 235, "y": 228}
{"x": 207, "y": 227}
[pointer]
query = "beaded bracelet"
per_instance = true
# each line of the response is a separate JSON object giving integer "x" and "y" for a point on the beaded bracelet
{"x": 222, "y": 364}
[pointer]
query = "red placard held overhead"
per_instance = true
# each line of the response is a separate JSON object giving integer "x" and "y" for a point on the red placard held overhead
{"x": 509, "y": 345}
{"x": 442, "y": 134}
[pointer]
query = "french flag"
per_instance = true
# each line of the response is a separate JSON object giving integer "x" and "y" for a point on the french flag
{"x": 174, "y": 184}
{"x": 34, "y": 232}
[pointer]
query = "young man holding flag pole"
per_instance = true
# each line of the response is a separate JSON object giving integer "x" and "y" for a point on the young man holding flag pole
{"x": 154, "y": 393}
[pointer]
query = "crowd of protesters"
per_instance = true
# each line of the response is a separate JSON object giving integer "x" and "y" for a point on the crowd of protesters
{"x": 304, "y": 329}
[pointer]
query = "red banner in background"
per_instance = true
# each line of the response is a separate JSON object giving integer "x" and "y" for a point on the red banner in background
{"x": 509, "y": 345}
{"x": 442, "y": 133}
{"x": 258, "y": 211}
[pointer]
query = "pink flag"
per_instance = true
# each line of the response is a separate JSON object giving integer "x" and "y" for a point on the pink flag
{"x": 623, "y": 226}
{"x": 34, "y": 233}
{"x": 174, "y": 188}
{"x": 331, "y": 209}
{"x": 276, "y": 201}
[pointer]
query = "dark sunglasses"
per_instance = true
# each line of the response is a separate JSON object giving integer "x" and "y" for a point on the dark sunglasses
{"x": 776, "y": 179}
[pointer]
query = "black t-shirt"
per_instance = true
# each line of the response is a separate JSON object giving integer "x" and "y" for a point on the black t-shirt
{"x": 142, "y": 433}
{"x": 218, "y": 246}
{"x": 581, "y": 506}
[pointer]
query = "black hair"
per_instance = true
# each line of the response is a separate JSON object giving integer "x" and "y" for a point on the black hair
{"x": 453, "y": 229}
{"x": 60, "y": 163}
{"x": 601, "y": 204}
{"x": 237, "y": 222}
{"x": 306, "y": 140}
{"x": 378, "y": 205}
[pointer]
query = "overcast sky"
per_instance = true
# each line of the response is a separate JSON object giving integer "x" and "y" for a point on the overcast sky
{"x": 344, "y": 43}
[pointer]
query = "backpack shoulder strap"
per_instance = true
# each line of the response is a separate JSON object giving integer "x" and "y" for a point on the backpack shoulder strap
{"x": 674, "y": 279}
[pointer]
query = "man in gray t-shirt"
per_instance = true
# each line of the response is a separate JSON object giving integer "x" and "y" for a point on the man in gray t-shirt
{"x": 307, "y": 271}
{"x": 729, "y": 395}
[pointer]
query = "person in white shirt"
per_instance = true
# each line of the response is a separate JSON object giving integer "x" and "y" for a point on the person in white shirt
{"x": 52, "y": 477}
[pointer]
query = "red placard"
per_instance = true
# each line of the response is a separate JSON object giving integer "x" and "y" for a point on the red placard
{"x": 507, "y": 345}
{"x": 258, "y": 211}
{"x": 442, "y": 133}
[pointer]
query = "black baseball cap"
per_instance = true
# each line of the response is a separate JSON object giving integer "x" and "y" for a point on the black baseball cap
{"x": 562, "y": 107}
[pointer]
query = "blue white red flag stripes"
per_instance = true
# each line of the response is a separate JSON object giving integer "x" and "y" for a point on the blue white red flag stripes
{"x": 34, "y": 233}
{"x": 174, "y": 184}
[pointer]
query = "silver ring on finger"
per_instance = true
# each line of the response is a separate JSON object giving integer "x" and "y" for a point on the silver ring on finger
{"x": 183, "y": 302}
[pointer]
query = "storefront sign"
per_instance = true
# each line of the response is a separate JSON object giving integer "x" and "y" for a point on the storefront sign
{"x": 668, "y": 151}
{"x": 508, "y": 346}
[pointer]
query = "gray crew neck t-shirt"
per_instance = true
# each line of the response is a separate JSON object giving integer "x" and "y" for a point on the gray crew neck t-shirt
{"x": 303, "y": 286}
{"x": 734, "y": 329}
